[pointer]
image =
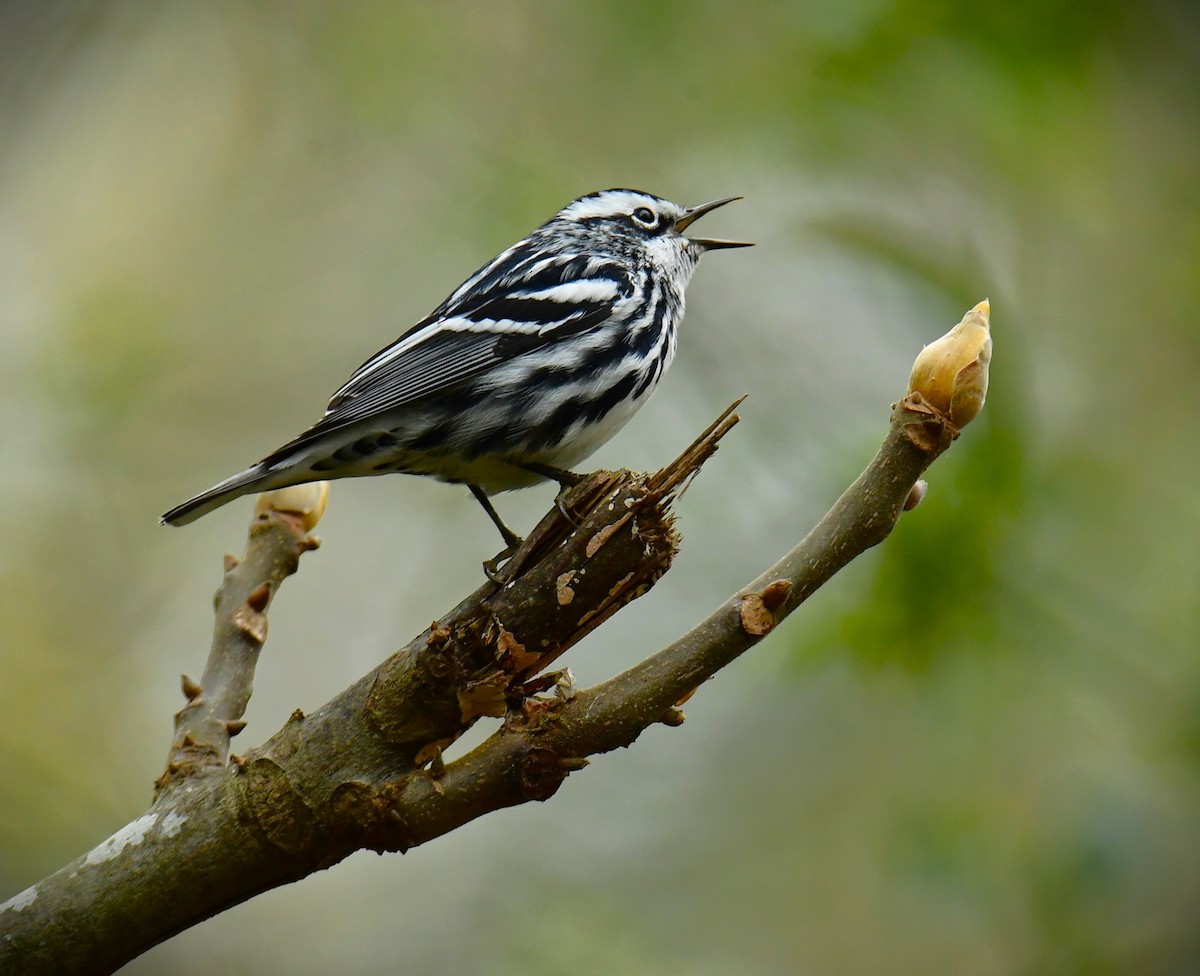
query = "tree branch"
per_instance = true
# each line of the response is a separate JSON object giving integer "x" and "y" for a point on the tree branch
{"x": 365, "y": 770}
{"x": 542, "y": 741}
{"x": 215, "y": 706}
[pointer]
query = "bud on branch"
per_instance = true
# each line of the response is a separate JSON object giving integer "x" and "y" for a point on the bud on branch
{"x": 952, "y": 372}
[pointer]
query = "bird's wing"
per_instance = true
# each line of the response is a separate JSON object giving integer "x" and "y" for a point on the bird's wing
{"x": 535, "y": 303}
{"x": 526, "y": 309}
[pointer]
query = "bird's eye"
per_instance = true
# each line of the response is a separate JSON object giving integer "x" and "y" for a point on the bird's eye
{"x": 645, "y": 217}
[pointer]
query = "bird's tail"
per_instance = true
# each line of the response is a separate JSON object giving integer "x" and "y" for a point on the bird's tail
{"x": 253, "y": 479}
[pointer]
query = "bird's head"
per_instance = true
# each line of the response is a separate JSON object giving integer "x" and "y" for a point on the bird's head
{"x": 645, "y": 220}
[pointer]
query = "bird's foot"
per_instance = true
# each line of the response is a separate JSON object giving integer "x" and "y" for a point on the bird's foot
{"x": 565, "y": 512}
{"x": 565, "y": 479}
{"x": 492, "y": 567}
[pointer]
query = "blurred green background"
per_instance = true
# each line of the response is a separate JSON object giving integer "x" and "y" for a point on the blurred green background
{"x": 976, "y": 752}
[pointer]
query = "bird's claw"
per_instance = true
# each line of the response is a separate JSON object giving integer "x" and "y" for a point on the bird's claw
{"x": 565, "y": 512}
{"x": 491, "y": 567}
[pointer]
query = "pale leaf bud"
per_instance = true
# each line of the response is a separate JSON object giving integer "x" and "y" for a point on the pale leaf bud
{"x": 306, "y": 501}
{"x": 952, "y": 372}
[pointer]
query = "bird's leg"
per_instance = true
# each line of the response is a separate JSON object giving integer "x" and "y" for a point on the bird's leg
{"x": 512, "y": 541}
{"x": 510, "y": 537}
{"x": 566, "y": 479}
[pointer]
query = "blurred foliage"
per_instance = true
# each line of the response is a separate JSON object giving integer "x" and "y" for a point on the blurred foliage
{"x": 926, "y": 595}
{"x": 976, "y": 751}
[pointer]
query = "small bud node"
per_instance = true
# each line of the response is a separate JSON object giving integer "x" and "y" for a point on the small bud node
{"x": 916, "y": 495}
{"x": 251, "y": 623}
{"x": 191, "y": 687}
{"x": 775, "y": 594}
{"x": 259, "y": 597}
{"x": 756, "y": 619}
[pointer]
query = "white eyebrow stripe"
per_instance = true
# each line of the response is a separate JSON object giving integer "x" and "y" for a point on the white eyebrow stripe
{"x": 610, "y": 203}
{"x": 574, "y": 292}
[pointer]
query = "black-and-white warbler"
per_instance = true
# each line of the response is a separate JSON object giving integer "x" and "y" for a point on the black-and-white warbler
{"x": 527, "y": 368}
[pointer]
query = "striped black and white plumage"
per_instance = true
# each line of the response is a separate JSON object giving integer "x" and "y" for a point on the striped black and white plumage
{"x": 533, "y": 362}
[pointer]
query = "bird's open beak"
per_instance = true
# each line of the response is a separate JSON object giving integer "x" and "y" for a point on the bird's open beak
{"x": 693, "y": 214}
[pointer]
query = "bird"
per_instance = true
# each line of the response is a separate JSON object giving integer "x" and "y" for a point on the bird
{"x": 529, "y": 366}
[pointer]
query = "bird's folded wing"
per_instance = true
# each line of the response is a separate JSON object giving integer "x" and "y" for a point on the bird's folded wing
{"x": 452, "y": 346}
